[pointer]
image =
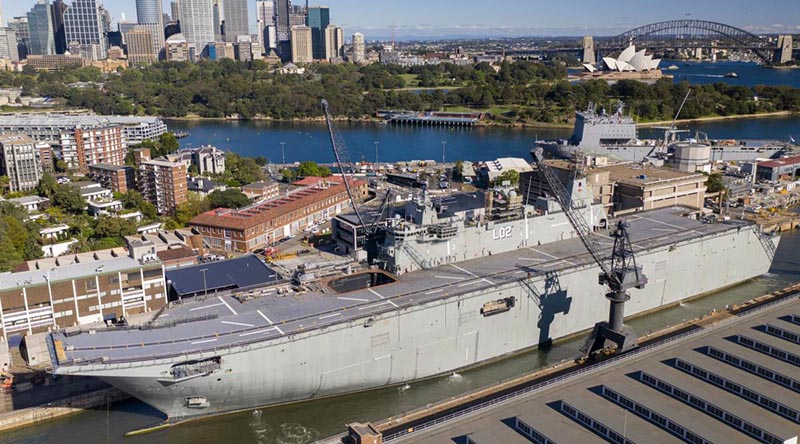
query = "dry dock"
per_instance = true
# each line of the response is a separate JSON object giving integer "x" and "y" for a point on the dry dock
{"x": 732, "y": 376}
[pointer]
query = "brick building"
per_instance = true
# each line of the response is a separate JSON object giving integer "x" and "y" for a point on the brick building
{"x": 253, "y": 227}
{"x": 119, "y": 179}
{"x": 79, "y": 293}
{"x": 161, "y": 182}
{"x": 94, "y": 145}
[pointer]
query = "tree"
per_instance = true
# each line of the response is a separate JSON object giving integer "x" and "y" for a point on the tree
{"x": 69, "y": 199}
{"x": 289, "y": 175}
{"x": 135, "y": 201}
{"x": 47, "y": 186}
{"x": 512, "y": 176}
{"x": 261, "y": 161}
{"x": 168, "y": 143}
{"x": 310, "y": 168}
{"x": 114, "y": 227}
{"x": 229, "y": 198}
{"x": 457, "y": 171}
{"x": 5, "y": 181}
{"x": 242, "y": 170}
{"x": 714, "y": 183}
{"x": 195, "y": 204}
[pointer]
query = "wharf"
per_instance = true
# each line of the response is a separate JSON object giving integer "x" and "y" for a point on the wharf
{"x": 753, "y": 349}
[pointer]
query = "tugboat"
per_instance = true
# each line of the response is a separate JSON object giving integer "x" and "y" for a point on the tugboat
{"x": 731, "y": 75}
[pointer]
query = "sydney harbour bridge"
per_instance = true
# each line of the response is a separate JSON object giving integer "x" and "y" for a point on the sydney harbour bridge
{"x": 684, "y": 35}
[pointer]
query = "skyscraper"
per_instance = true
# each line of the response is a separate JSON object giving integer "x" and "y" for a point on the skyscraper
{"x": 84, "y": 24}
{"x": 358, "y": 48}
{"x": 149, "y": 16}
{"x": 197, "y": 22}
{"x": 173, "y": 7}
{"x": 283, "y": 9}
{"x": 319, "y": 18}
{"x": 334, "y": 43}
{"x": 8, "y": 44}
{"x": 1, "y": 13}
{"x": 20, "y": 27}
{"x": 57, "y": 13}
{"x": 217, "y": 16}
{"x": 265, "y": 18}
{"x": 301, "y": 45}
{"x": 40, "y": 28}
{"x": 139, "y": 41}
{"x": 235, "y": 12}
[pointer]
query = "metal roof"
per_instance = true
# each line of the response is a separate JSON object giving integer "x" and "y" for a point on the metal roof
{"x": 246, "y": 271}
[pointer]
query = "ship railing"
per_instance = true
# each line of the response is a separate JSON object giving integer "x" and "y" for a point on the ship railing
{"x": 589, "y": 369}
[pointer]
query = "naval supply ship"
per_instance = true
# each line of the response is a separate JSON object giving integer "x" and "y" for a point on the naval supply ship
{"x": 615, "y": 136}
{"x": 459, "y": 285}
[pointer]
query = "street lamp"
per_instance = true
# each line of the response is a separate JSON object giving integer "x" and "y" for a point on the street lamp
{"x": 444, "y": 145}
{"x": 376, "y": 152}
{"x": 283, "y": 153}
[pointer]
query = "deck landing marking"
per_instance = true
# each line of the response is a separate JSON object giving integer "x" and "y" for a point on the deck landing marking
{"x": 543, "y": 253}
{"x": 203, "y": 342}
{"x": 280, "y": 331}
{"x": 353, "y": 299}
{"x": 332, "y": 315}
{"x": 434, "y": 291}
{"x": 237, "y": 323}
{"x": 667, "y": 230}
{"x": 264, "y": 316}
{"x": 532, "y": 259}
{"x": 469, "y": 283}
{"x": 204, "y": 307}
{"x": 264, "y": 330}
{"x": 375, "y": 293}
{"x": 226, "y": 304}
{"x": 376, "y": 305}
{"x": 456, "y": 278}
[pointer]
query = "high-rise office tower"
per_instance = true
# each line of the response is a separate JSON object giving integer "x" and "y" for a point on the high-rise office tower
{"x": 265, "y": 18}
{"x": 334, "y": 43}
{"x": 84, "y": 24}
{"x": 319, "y": 17}
{"x": 359, "y": 48}
{"x": 40, "y": 28}
{"x": 149, "y": 15}
{"x": 301, "y": 45}
{"x": 20, "y": 27}
{"x": 173, "y": 7}
{"x": 57, "y": 13}
{"x": 235, "y": 12}
{"x": 282, "y": 10}
{"x": 141, "y": 50}
{"x": 217, "y": 16}
{"x": 8, "y": 44}
{"x": 1, "y": 13}
{"x": 197, "y": 22}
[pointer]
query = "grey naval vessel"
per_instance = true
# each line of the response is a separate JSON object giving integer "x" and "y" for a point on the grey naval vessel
{"x": 614, "y": 135}
{"x": 459, "y": 285}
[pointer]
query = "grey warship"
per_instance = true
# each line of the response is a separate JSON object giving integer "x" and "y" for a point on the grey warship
{"x": 615, "y": 135}
{"x": 458, "y": 286}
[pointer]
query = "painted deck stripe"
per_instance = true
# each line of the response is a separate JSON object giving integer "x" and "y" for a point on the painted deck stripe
{"x": 226, "y": 304}
{"x": 263, "y": 330}
{"x": 332, "y": 315}
{"x": 544, "y": 254}
{"x": 280, "y": 331}
{"x": 353, "y": 299}
{"x": 464, "y": 270}
{"x": 455, "y": 278}
{"x": 203, "y": 342}
{"x": 469, "y": 283}
{"x": 532, "y": 259}
{"x": 375, "y": 293}
{"x": 237, "y": 323}
{"x": 265, "y": 317}
{"x": 374, "y": 305}
{"x": 204, "y": 307}
{"x": 434, "y": 291}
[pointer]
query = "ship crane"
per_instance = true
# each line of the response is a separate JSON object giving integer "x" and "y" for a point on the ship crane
{"x": 619, "y": 272}
{"x": 346, "y": 167}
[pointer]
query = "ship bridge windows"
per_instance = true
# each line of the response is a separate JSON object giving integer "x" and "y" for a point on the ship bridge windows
{"x": 360, "y": 281}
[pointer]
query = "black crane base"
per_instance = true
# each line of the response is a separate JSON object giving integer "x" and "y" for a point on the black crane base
{"x": 604, "y": 339}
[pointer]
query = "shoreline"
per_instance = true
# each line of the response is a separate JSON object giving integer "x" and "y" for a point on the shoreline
{"x": 482, "y": 124}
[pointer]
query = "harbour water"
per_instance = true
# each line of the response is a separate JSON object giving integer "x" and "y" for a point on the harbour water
{"x": 308, "y": 421}
{"x": 309, "y": 141}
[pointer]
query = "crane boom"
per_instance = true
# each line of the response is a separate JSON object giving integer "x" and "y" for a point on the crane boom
{"x": 572, "y": 212}
{"x": 342, "y": 158}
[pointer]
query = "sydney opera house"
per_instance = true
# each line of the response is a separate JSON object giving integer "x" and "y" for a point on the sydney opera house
{"x": 628, "y": 60}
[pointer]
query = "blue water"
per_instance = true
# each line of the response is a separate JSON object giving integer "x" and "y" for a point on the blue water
{"x": 309, "y": 141}
{"x": 750, "y": 74}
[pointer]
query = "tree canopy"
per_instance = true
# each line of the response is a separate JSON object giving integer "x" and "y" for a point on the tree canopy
{"x": 230, "y": 198}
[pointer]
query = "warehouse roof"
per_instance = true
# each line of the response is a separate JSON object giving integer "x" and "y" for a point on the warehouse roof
{"x": 243, "y": 272}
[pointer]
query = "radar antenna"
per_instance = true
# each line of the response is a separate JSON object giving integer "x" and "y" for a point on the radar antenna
{"x": 619, "y": 272}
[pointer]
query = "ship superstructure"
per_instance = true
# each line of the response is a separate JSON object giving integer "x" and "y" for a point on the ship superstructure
{"x": 451, "y": 289}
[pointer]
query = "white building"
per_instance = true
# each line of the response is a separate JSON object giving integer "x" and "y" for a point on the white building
{"x": 197, "y": 22}
{"x": 84, "y": 25}
{"x": 628, "y": 60}
{"x": 334, "y": 43}
{"x": 358, "y": 48}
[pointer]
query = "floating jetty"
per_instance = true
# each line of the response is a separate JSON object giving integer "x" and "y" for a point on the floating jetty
{"x": 431, "y": 118}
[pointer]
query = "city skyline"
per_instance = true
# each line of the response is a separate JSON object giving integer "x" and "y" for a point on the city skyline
{"x": 414, "y": 19}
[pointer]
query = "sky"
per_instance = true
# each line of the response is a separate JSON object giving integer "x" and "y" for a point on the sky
{"x": 421, "y": 19}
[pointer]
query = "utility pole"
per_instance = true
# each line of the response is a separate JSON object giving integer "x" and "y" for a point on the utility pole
{"x": 376, "y": 152}
{"x": 444, "y": 146}
{"x": 283, "y": 153}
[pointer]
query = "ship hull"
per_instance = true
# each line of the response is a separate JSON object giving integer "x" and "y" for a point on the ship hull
{"x": 437, "y": 337}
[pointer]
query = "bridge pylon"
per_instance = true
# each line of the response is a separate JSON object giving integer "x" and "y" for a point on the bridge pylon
{"x": 588, "y": 50}
{"x": 784, "y": 52}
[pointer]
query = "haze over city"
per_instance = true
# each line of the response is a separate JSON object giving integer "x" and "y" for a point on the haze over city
{"x": 418, "y": 19}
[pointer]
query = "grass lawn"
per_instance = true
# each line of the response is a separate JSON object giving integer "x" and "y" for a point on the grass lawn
{"x": 410, "y": 79}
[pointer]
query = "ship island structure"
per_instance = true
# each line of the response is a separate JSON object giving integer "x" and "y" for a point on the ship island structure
{"x": 458, "y": 281}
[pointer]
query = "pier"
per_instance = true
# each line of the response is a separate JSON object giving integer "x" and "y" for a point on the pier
{"x": 430, "y": 118}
